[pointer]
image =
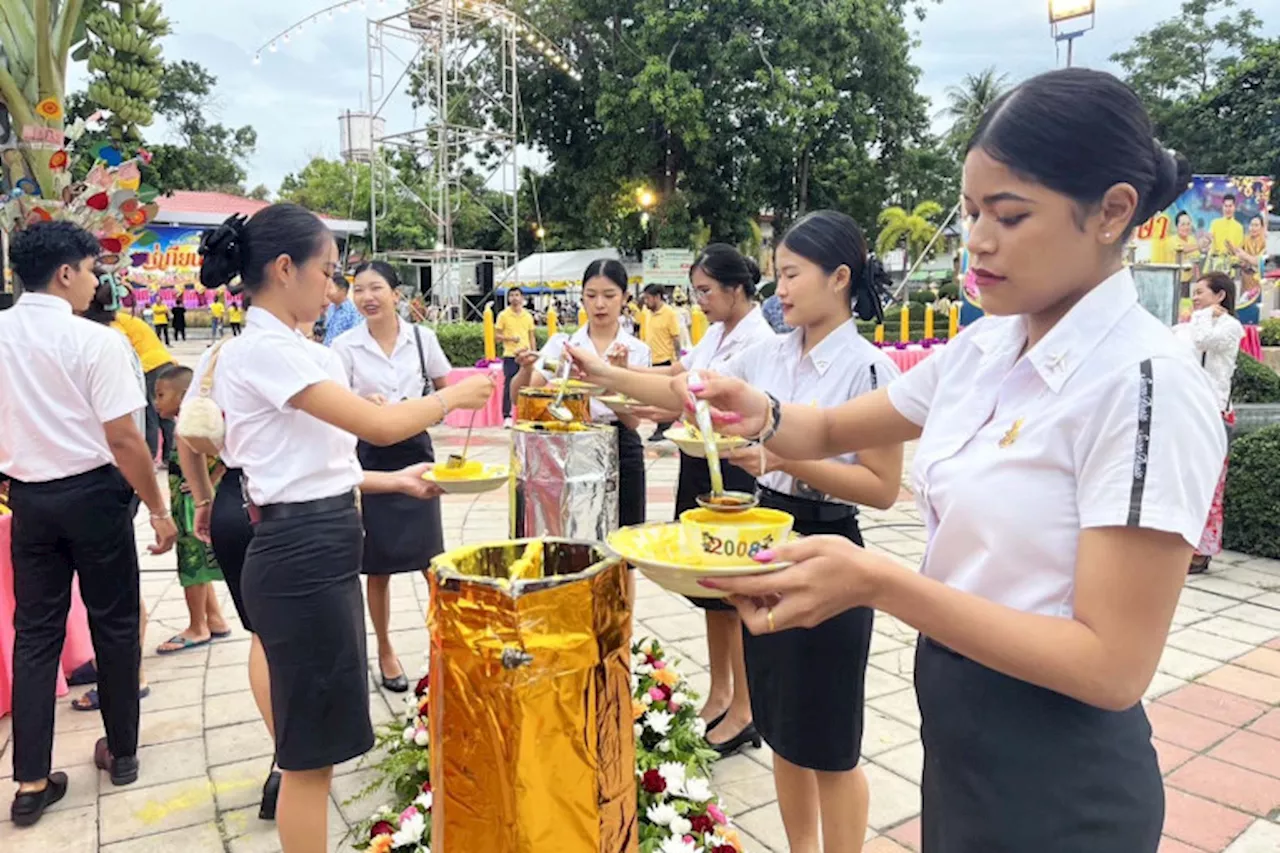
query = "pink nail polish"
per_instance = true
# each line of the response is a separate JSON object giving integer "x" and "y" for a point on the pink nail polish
{"x": 765, "y": 556}
{"x": 696, "y": 385}
{"x": 708, "y": 584}
{"x": 730, "y": 418}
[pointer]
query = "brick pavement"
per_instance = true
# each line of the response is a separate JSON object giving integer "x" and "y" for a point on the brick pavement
{"x": 1214, "y": 707}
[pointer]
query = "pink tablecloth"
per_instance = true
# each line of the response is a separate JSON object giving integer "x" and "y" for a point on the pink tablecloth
{"x": 491, "y": 414}
{"x": 909, "y": 357}
{"x": 78, "y": 648}
{"x": 1252, "y": 342}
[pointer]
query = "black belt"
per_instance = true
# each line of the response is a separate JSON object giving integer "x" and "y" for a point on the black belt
{"x": 279, "y": 512}
{"x": 806, "y": 510}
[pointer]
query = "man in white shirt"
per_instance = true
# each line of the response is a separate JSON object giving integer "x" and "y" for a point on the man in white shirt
{"x": 71, "y": 447}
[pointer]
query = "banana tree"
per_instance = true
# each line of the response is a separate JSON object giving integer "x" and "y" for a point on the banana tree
{"x": 36, "y": 37}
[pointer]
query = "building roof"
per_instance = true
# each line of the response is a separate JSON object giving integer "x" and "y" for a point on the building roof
{"x": 189, "y": 207}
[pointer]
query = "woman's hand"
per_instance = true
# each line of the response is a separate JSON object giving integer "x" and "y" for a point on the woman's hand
{"x": 409, "y": 482}
{"x": 653, "y": 413}
{"x": 736, "y": 407}
{"x": 1218, "y": 310}
{"x": 756, "y": 461}
{"x": 618, "y": 355}
{"x": 377, "y": 399}
{"x": 829, "y": 576}
{"x": 471, "y": 393}
{"x": 200, "y": 523}
{"x": 526, "y": 359}
{"x": 587, "y": 366}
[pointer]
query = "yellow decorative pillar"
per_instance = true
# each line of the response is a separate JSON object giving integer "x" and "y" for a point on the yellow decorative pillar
{"x": 928, "y": 322}
{"x": 904, "y": 334}
{"x": 582, "y": 316}
{"x": 880, "y": 333}
{"x": 699, "y": 325}
{"x": 490, "y": 342}
{"x": 553, "y": 321}
{"x": 953, "y": 325}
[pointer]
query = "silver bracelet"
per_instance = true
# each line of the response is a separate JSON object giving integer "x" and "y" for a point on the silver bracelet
{"x": 444, "y": 405}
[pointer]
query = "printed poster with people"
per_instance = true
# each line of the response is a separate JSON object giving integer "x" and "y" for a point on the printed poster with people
{"x": 1219, "y": 224}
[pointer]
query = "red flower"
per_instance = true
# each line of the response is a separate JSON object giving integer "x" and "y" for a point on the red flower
{"x": 98, "y": 201}
{"x": 653, "y": 782}
{"x": 650, "y": 659}
{"x": 725, "y": 848}
{"x": 144, "y": 155}
{"x": 426, "y": 787}
{"x": 58, "y": 160}
{"x": 423, "y": 684}
{"x": 382, "y": 828}
{"x": 666, "y": 692}
{"x": 702, "y": 824}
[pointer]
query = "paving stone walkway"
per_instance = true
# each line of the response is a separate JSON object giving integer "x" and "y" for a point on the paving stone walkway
{"x": 1214, "y": 707}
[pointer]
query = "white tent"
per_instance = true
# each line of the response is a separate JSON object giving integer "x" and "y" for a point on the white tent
{"x": 556, "y": 272}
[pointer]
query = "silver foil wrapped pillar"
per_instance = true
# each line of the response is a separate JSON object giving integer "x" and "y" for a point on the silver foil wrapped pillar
{"x": 564, "y": 481}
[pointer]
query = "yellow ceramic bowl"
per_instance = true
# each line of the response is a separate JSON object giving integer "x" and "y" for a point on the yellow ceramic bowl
{"x": 468, "y": 470}
{"x": 732, "y": 539}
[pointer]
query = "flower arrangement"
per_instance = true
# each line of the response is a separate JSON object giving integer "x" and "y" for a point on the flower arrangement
{"x": 678, "y": 813}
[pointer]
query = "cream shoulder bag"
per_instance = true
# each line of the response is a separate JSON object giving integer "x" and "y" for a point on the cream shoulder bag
{"x": 200, "y": 423}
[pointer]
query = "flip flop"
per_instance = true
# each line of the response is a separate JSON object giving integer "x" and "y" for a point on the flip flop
{"x": 183, "y": 644}
{"x": 220, "y": 635}
{"x": 83, "y": 675}
{"x": 95, "y": 703}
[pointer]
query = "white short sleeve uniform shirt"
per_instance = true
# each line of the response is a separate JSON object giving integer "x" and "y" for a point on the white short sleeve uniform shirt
{"x": 1106, "y": 422}
{"x": 404, "y": 374}
{"x": 638, "y": 355}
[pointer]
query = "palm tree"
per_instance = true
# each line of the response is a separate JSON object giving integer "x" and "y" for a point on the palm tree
{"x": 910, "y": 232}
{"x": 967, "y": 102}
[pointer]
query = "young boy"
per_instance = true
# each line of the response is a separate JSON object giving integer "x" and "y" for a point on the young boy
{"x": 197, "y": 567}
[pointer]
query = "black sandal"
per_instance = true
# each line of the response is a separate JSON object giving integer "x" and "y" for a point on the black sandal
{"x": 29, "y": 807}
{"x": 1199, "y": 565}
{"x": 270, "y": 796}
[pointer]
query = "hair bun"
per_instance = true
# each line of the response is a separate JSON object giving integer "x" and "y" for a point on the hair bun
{"x": 224, "y": 251}
{"x": 1173, "y": 174}
{"x": 753, "y": 268}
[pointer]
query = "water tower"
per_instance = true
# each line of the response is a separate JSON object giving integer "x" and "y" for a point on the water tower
{"x": 358, "y": 133}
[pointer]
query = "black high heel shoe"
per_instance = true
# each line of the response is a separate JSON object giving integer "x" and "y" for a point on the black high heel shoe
{"x": 270, "y": 795}
{"x": 748, "y": 735}
{"x": 711, "y": 724}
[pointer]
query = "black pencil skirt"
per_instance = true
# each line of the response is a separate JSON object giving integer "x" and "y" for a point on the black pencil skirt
{"x": 302, "y": 589}
{"x": 807, "y": 684}
{"x": 230, "y": 532}
{"x": 631, "y": 487}
{"x": 1010, "y": 767}
{"x": 695, "y": 479}
{"x": 401, "y": 533}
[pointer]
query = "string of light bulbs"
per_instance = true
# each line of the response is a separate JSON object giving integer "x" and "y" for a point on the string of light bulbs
{"x": 496, "y": 15}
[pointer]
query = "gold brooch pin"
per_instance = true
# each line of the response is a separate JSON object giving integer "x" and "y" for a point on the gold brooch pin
{"x": 1012, "y": 435}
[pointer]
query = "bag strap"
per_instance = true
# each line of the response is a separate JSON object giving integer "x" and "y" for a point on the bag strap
{"x": 206, "y": 381}
{"x": 427, "y": 386}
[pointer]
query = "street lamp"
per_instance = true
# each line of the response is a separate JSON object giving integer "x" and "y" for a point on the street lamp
{"x": 540, "y": 233}
{"x": 645, "y": 198}
{"x": 1070, "y": 19}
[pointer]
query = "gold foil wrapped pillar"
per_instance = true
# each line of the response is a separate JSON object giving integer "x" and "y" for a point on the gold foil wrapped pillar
{"x": 531, "y": 728}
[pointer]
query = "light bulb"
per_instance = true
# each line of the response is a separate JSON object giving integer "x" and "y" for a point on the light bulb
{"x": 272, "y": 47}
{"x": 257, "y": 59}
{"x": 286, "y": 38}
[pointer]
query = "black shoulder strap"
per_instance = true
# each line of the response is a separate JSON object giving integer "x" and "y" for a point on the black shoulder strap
{"x": 427, "y": 387}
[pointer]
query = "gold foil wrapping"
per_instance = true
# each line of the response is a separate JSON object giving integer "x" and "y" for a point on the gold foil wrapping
{"x": 531, "y": 731}
{"x": 532, "y": 405}
{"x": 564, "y": 481}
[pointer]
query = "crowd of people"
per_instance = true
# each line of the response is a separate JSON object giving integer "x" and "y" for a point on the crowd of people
{"x": 1069, "y": 448}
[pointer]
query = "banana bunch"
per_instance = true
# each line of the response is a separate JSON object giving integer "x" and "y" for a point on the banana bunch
{"x": 125, "y": 57}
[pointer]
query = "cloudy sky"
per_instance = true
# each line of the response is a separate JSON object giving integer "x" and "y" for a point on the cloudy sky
{"x": 293, "y": 98}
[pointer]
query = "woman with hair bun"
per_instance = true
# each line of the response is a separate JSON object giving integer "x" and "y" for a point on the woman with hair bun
{"x": 388, "y": 360}
{"x": 291, "y": 427}
{"x": 806, "y": 686}
{"x": 1068, "y": 451}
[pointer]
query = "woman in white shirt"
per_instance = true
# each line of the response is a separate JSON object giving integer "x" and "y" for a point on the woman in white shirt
{"x": 604, "y": 288}
{"x": 291, "y": 424}
{"x": 806, "y": 686}
{"x": 1214, "y": 335}
{"x": 386, "y": 360}
{"x": 1068, "y": 452}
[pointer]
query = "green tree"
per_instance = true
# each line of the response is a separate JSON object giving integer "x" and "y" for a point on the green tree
{"x": 969, "y": 101}
{"x": 910, "y": 232}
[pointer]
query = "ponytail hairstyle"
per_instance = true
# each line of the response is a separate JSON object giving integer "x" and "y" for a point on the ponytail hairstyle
{"x": 609, "y": 268}
{"x": 1080, "y": 132}
{"x": 832, "y": 240}
{"x": 730, "y": 268}
{"x": 382, "y": 268}
{"x": 244, "y": 247}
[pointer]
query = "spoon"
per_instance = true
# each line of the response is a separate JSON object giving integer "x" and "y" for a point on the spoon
{"x": 719, "y": 500}
{"x": 557, "y": 408}
{"x": 458, "y": 461}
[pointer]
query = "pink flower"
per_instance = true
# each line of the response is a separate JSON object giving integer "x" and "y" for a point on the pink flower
{"x": 716, "y": 814}
{"x": 655, "y": 694}
{"x": 673, "y": 707}
{"x": 659, "y": 664}
{"x": 408, "y": 814}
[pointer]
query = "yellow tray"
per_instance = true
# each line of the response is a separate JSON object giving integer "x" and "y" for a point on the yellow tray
{"x": 657, "y": 551}
{"x": 692, "y": 444}
{"x": 491, "y": 477}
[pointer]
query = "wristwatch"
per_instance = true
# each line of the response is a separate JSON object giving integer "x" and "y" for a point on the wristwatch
{"x": 774, "y": 421}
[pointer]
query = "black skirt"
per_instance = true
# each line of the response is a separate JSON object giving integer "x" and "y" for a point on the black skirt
{"x": 695, "y": 479}
{"x": 302, "y": 588}
{"x": 1010, "y": 767}
{"x": 230, "y": 532}
{"x": 631, "y": 488}
{"x": 807, "y": 684}
{"x": 401, "y": 533}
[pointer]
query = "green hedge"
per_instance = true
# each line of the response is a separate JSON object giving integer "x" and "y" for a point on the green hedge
{"x": 1252, "y": 500}
{"x": 1270, "y": 332}
{"x": 1254, "y": 382}
{"x": 463, "y": 343}
{"x": 923, "y": 297}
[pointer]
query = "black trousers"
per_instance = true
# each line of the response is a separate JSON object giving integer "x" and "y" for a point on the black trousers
{"x": 163, "y": 331}
{"x": 179, "y": 323}
{"x": 80, "y": 525}
{"x": 510, "y": 367}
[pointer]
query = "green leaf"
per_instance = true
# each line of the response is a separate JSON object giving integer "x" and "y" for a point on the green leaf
{"x": 147, "y": 193}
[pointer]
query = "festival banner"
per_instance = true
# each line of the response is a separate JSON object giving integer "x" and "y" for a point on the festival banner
{"x": 172, "y": 261}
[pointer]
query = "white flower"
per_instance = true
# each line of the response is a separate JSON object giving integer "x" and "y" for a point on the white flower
{"x": 662, "y": 814}
{"x": 408, "y": 735}
{"x": 424, "y": 801}
{"x": 681, "y": 826}
{"x": 698, "y": 789}
{"x": 644, "y": 669}
{"x": 410, "y": 832}
{"x": 639, "y": 730}
{"x": 646, "y": 699}
{"x": 647, "y": 646}
{"x": 420, "y": 737}
{"x": 677, "y": 844}
{"x": 680, "y": 698}
{"x": 635, "y": 683}
{"x": 659, "y": 722}
{"x": 664, "y": 745}
{"x": 700, "y": 727}
{"x": 672, "y": 773}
